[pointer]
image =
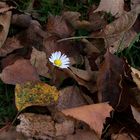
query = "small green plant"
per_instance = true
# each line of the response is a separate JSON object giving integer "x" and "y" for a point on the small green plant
{"x": 132, "y": 53}
{"x": 7, "y": 105}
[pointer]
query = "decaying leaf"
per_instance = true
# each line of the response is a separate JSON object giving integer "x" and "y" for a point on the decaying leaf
{"x": 115, "y": 7}
{"x": 39, "y": 60}
{"x": 111, "y": 82}
{"x": 4, "y": 23}
{"x": 136, "y": 76}
{"x": 19, "y": 72}
{"x": 30, "y": 94}
{"x": 45, "y": 127}
{"x": 94, "y": 115}
{"x": 70, "y": 97}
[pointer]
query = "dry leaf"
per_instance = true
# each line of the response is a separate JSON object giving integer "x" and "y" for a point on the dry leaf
{"x": 70, "y": 97}
{"x": 134, "y": 4}
{"x": 39, "y": 60}
{"x": 5, "y": 20}
{"x": 82, "y": 135}
{"x": 21, "y": 20}
{"x": 44, "y": 127}
{"x": 90, "y": 85}
{"x": 119, "y": 42}
{"x": 57, "y": 25}
{"x": 136, "y": 76}
{"x": 111, "y": 82}
{"x": 120, "y": 25}
{"x": 96, "y": 21}
{"x": 115, "y": 7}
{"x": 10, "y": 45}
{"x": 84, "y": 74}
{"x": 123, "y": 136}
{"x": 94, "y": 115}
{"x": 136, "y": 114}
{"x": 30, "y": 94}
{"x": 19, "y": 72}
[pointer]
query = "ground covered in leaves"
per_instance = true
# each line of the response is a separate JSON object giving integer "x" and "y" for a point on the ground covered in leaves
{"x": 69, "y": 70}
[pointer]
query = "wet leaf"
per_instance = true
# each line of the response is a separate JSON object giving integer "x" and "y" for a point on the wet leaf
{"x": 19, "y": 72}
{"x": 4, "y": 23}
{"x": 30, "y": 94}
{"x": 94, "y": 115}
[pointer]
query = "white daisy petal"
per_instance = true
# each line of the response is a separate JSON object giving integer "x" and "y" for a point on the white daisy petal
{"x": 58, "y": 55}
{"x": 59, "y": 60}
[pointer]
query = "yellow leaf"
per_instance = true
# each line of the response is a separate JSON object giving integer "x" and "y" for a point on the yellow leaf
{"x": 30, "y": 94}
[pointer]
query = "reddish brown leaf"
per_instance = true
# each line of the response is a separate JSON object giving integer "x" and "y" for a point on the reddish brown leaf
{"x": 20, "y": 72}
{"x": 57, "y": 25}
{"x": 111, "y": 82}
{"x": 10, "y": 45}
{"x": 70, "y": 97}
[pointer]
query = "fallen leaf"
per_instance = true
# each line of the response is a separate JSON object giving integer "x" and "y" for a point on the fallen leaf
{"x": 119, "y": 42}
{"x": 96, "y": 21}
{"x": 70, "y": 97}
{"x": 114, "y": 7}
{"x": 111, "y": 82}
{"x": 123, "y": 136}
{"x": 38, "y": 93}
{"x": 39, "y": 61}
{"x": 19, "y": 72}
{"x": 57, "y": 25}
{"x": 5, "y": 20}
{"x": 90, "y": 85}
{"x": 94, "y": 115}
{"x": 136, "y": 76}
{"x": 44, "y": 127}
{"x": 10, "y": 45}
{"x": 118, "y": 26}
{"x": 134, "y": 4}
{"x": 136, "y": 114}
{"x": 84, "y": 74}
{"x": 21, "y": 20}
{"x": 82, "y": 135}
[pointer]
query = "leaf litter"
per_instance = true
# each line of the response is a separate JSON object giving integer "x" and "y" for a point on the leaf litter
{"x": 96, "y": 97}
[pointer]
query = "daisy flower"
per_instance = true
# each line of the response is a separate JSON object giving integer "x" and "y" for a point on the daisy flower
{"x": 59, "y": 60}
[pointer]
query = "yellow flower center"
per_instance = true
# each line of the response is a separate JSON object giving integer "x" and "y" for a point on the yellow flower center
{"x": 58, "y": 62}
